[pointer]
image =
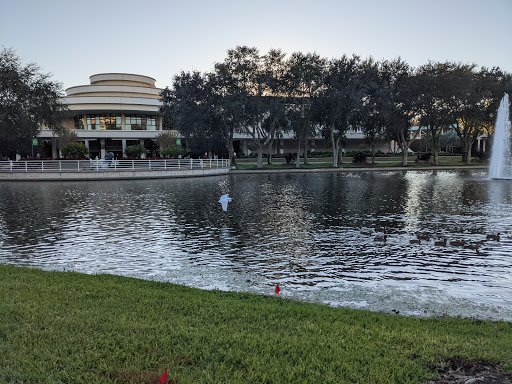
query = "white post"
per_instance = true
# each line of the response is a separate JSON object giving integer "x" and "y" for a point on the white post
{"x": 60, "y": 166}
{"x": 191, "y": 166}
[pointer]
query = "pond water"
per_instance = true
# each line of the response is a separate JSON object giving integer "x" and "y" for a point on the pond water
{"x": 317, "y": 235}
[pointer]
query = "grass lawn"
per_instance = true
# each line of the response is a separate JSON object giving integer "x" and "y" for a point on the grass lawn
{"x": 63, "y": 327}
{"x": 326, "y": 162}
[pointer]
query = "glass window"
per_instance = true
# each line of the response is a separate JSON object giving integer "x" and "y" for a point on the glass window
{"x": 104, "y": 121}
{"x": 79, "y": 122}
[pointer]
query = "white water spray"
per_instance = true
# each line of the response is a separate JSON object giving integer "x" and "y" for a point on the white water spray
{"x": 501, "y": 162}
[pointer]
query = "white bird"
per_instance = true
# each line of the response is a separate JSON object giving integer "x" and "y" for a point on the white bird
{"x": 224, "y": 200}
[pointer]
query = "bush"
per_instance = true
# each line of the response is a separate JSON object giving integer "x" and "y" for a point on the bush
{"x": 359, "y": 158}
{"x": 135, "y": 151}
{"x": 423, "y": 157}
{"x": 172, "y": 150}
{"x": 74, "y": 151}
{"x": 290, "y": 157}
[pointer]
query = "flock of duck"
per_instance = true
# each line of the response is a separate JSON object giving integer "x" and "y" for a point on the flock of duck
{"x": 474, "y": 245}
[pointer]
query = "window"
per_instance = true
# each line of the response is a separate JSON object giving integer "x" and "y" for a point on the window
{"x": 79, "y": 122}
{"x": 105, "y": 121}
{"x": 140, "y": 123}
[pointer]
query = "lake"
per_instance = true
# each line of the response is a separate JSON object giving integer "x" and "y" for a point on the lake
{"x": 317, "y": 235}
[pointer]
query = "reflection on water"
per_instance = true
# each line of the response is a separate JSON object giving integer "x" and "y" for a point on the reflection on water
{"x": 314, "y": 234}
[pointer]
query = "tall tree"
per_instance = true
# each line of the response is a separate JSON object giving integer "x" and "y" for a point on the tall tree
{"x": 374, "y": 116}
{"x": 435, "y": 84}
{"x": 340, "y": 101}
{"x": 29, "y": 101}
{"x": 400, "y": 109}
{"x": 187, "y": 109}
{"x": 304, "y": 81}
{"x": 273, "y": 78}
{"x": 476, "y": 101}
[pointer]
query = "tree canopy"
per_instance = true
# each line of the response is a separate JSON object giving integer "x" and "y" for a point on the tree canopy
{"x": 29, "y": 100}
{"x": 305, "y": 95}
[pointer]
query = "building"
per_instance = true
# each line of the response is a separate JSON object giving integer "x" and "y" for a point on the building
{"x": 116, "y": 110}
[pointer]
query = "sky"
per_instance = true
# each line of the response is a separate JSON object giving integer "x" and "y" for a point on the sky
{"x": 73, "y": 40}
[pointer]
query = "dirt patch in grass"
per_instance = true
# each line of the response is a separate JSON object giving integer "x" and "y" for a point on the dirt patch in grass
{"x": 459, "y": 371}
{"x": 136, "y": 377}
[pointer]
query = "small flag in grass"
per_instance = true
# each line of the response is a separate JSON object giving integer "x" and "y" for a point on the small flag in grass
{"x": 163, "y": 378}
{"x": 278, "y": 289}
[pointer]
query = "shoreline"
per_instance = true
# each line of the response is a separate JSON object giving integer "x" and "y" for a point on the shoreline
{"x": 171, "y": 174}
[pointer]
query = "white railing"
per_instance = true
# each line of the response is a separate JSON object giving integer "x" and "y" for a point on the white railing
{"x": 110, "y": 165}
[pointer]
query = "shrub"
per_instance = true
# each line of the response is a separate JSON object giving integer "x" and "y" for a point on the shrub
{"x": 134, "y": 151}
{"x": 423, "y": 157}
{"x": 172, "y": 150}
{"x": 359, "y": 158}
{"x": 290, "y": 157}
{"x": 74, "y": 150}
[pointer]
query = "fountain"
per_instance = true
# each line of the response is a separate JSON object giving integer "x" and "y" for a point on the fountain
{"x": 501, "y": 162}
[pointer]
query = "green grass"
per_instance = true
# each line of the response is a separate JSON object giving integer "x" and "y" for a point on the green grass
{"x": 444, "y": 161}
{"x": 62, "y": 327}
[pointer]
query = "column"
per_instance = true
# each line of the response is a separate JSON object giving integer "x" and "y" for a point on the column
{"x": 141, "y": 142}
{"x": 102, "y": 148}
{"x": 55, "y": 154}
{"x": 123, "y": 144}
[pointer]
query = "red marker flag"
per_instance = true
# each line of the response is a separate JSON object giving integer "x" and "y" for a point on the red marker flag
{"x": 163, "y": 378}
{"x": 278, "y": 289}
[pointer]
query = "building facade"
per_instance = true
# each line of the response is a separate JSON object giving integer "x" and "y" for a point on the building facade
{"x": 116, "y": 110}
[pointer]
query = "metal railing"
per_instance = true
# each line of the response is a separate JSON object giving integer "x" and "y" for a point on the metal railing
{"x": 101, "y": 165}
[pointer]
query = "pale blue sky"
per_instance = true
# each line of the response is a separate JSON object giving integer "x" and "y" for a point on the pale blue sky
{"x": 75, "y": 39}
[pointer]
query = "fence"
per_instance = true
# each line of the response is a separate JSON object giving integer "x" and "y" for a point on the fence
{"x": 110, "y": 165}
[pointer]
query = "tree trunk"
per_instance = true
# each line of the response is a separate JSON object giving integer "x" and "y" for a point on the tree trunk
{"x": 372, "y": 146}
{"x": 404, "y": 145}
{"x": 306, "y": 152}
{"x": 297, "y": 160}
{"x": 269, "y": 156}
{"x": 468, "y": 155}
{"x": 259, "y": 162}
{"x": 231, "y": 150}
{"x": 335, "y": 149}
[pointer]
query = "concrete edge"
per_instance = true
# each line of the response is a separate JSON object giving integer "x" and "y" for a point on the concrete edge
{"x": 109, "y": 175}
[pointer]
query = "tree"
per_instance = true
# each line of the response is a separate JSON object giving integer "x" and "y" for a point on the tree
{"x": 340, "y": 101}
{"x": 28, "y": 101}
{"x": 374, "y": 117}
{"x": 165, "y": 139}
{"x": 74, "y": 150}
{"x": 304, "y": 81}
{"x": 135, "y": 151}
{"x": 400, "y": 108}
{"x": 191, "y": 108}
{"x": 435, "y": 84}
{"x": 476, "y": 101}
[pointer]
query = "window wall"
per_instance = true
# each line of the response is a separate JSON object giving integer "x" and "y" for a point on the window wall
{"x": 104, "y": 122}
{"x": 140, "y": 123}
{"x": 95, "y": 122}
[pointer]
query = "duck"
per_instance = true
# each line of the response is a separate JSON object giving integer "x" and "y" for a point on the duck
{"x": 415, "y": 241}
{"x": 382, "y": 238}
{"x": 493, "y": 237}
{"x": 423, "y": 236}
{"x": 457, "y": 243}
{"x": 472, "y": 246}
{"x": 441, "y": 243}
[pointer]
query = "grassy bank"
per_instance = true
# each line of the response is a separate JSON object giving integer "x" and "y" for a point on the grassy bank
{"x": 70, "y": 328}
{"x": 326, "y": 162}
